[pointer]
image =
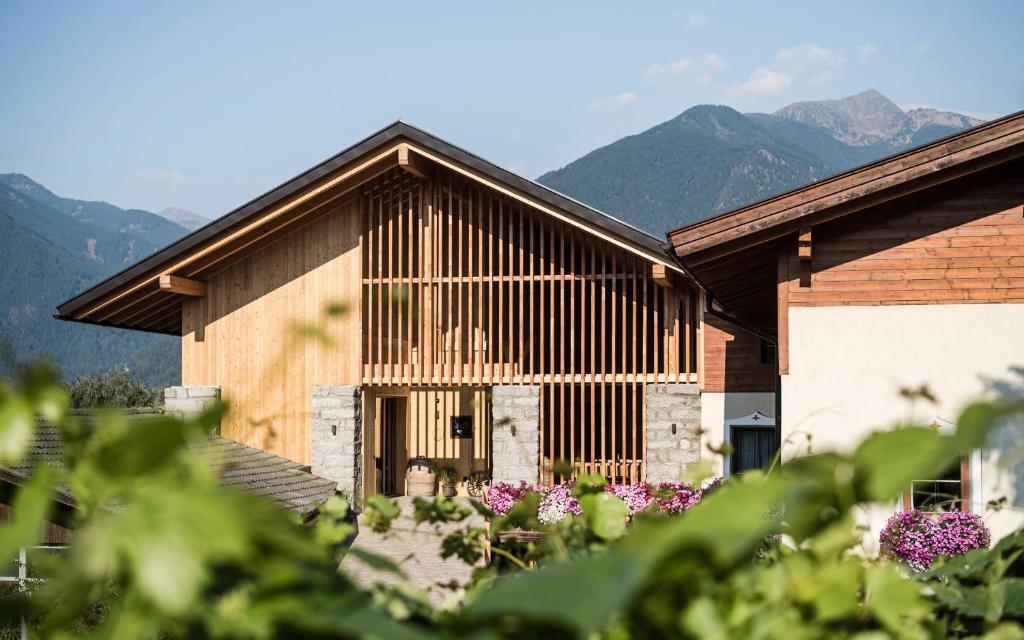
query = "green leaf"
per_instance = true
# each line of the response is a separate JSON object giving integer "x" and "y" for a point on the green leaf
{"x": 606, "y": 515}
{"x": 31, "y": 508}
{"x": 374, "y": 561}
{"x": 17, "y": 424}
{"x": 890, "y": 460}
{"x": 379, "y": 511}
{"x": 892, "y": 599}
{"x": 582, "y": 596}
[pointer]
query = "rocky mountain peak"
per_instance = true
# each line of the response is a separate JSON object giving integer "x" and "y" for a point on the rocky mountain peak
{"x": 869, "y": 119}
{"x": 862, "y": 119}
{"x": 188, "y": 219}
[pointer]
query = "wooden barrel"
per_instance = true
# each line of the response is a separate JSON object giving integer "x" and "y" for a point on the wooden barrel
{"x": 420, "y": 478}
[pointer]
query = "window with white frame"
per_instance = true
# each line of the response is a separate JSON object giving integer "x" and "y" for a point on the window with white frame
{"x": 951, "y": 490}
{"x": 30, "y": 565}
{"x": 752, "y": 441}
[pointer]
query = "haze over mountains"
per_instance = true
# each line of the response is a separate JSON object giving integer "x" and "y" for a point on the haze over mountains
{"x": 712, "y": 159}
{"x": 707, "y": 160}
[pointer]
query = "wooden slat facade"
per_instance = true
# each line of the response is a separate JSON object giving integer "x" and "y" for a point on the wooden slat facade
{"x": 451, "y": 287}
{"x": 466, "y": 288}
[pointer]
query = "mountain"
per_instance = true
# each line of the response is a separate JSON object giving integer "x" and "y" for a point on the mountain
{"x": 712, "y": 159}
{"x": 52, "y": 248}
{"x": 183, "y": 217}
{"x": 869, "y": 118}
{"x": 131, "y": 223}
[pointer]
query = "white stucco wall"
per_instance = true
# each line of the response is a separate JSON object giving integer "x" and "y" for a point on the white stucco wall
{"x": 848, "y": 364}
{"x": 716, "y": 408}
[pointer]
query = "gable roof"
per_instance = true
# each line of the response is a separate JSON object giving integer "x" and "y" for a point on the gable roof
{"x": 246, "y": 468}
{"x": 977, "y": 148}
{"x": 344, "y": 166}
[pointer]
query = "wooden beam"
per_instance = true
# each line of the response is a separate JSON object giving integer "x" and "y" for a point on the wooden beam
{"x": 804, "y": 244}
{"x": 412, "y": 162}
{"x": 668, "y": 278}
{"x": 939, "y": 162}
{"x": 183, "y": 286}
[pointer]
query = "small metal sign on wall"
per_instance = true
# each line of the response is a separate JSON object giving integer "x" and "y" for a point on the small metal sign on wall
{"x": 462, "y": 426}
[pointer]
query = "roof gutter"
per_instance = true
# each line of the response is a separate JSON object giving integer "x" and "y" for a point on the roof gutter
{"x": 709, "y": 307}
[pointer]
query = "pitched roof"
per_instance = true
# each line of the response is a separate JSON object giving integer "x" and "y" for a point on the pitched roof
{"x": 983, "y": 146}
{"x": 79, "y": 307}
{"x": 246, "y": 468}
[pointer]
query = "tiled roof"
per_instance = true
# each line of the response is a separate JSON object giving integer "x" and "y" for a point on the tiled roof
{"x": 252, "y": 470}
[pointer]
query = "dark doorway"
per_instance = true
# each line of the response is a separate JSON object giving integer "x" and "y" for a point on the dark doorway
{"x": 391, "y": 452}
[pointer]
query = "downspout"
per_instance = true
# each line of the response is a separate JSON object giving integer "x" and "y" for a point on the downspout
{"x": 709, "y": 307}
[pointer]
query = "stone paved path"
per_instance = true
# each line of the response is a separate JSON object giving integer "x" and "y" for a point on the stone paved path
{"x": 417, "y": 550}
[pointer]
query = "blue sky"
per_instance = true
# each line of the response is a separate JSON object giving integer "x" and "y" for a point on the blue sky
{"x": 204, "y": 105}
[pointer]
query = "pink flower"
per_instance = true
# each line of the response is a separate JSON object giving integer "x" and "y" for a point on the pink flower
{"x": 916, "y": 538}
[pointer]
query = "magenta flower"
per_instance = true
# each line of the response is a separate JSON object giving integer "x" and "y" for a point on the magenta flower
{"x": 916, "y": 538}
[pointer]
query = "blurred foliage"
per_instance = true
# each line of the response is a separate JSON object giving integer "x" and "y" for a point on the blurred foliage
{"x": 162, "y": 551}
{"x": 111, "y": 389}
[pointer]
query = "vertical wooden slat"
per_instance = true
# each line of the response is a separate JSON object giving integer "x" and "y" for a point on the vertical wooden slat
{"x": 380, "y": 292}
{"x": 492, "y": 351}
{"x": 634, "y": 472}
{"x": 572, "y": 347}
{"x": 389, "y": 287}
{"x": 612, "y": 386}
{"x": 562, "y": 336}
{"x": 478, "y": 329}
{"x": 522, "y": 288}
{"x": 449, "y": 320}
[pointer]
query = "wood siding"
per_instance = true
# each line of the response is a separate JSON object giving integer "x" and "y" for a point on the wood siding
{"x": 451, "y": 288}
{"x": 258, "y": 332}
{"x": 464, "y": 287}
{"x": 732, "y": 360}
{"x": 960, "y": 243}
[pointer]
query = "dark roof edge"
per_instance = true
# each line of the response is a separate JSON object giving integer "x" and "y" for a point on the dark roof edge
{"x": 395, "y": 130}
{"x": 848, "y": 172}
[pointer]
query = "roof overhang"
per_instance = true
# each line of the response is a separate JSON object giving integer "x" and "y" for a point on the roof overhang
{"x": 148, "y": 295}
{"x": 978, "y": 148}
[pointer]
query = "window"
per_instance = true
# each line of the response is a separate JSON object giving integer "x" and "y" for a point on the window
{"x": 952, "y": 489}
{"x": 944, "y": 493}
{"x": 752, "y": 439}
{"x": 767, "y": 351}
{"x": 30, "y": 564}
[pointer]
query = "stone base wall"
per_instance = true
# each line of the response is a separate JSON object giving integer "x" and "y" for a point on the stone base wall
{"x": 668, "y": 454}
{"x": 186, "y": 402}
{"x": 337, "y": 436}
{"x": 515, "y": 450}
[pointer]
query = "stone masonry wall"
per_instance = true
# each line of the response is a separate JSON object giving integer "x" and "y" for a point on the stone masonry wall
{"x": 337, "y": 436}
{"x": 669, "y": 454}
{"x": 185, "y": 402}
{"x": 515, "y": 410}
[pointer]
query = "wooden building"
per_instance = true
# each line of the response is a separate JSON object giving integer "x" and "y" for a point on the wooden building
{"x": 408, "y": 299}
{"x": 424, "y": 276}
{"x": 904, "y": 274}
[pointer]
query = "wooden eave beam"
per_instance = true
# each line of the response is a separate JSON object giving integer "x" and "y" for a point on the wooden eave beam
{"x": 353, "y": 176}
{"x": 852, "y": 192}
{"x": 414, "y": 163}
{"x": 668, "y": 278}
{"x": 182, "y": 286}
{"x": 804, "y": 244}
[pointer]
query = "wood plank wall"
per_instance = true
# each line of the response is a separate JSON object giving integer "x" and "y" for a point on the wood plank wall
{"x": 732, "y": 360}
{"x": 962, "y": 243}
{"x": 465, "y": 287}
{"x": 257, "y": 332}
{"x": 427, "y": 433}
